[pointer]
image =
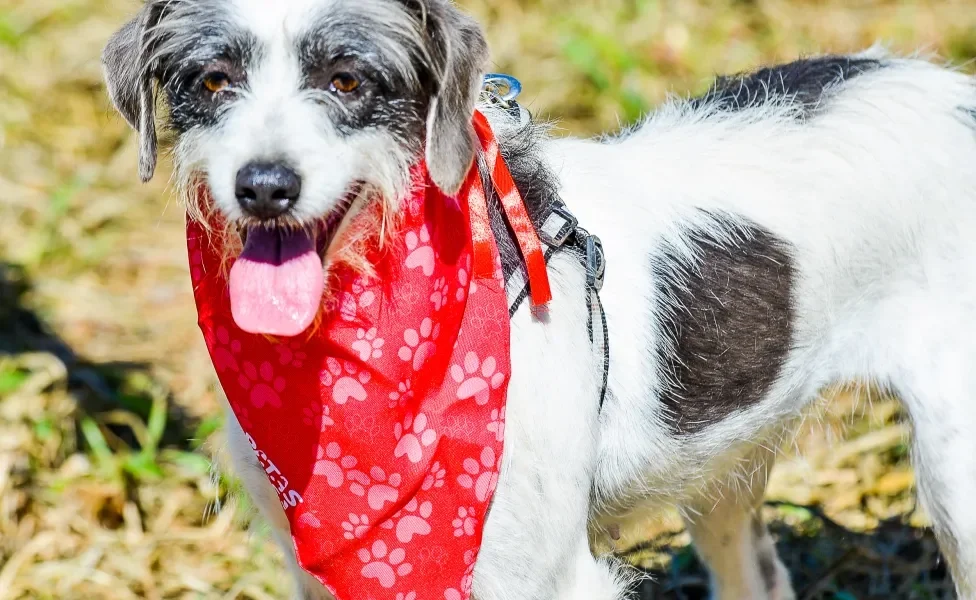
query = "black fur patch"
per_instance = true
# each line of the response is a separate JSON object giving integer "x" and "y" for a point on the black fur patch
{"x": 727, "y": 323}
{"x": 804, "y": 83}
{"x": 766, "y": 557}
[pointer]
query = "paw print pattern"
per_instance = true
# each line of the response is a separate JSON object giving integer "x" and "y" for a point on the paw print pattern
{"x": 407, "y": 596}
{"x": 411, "y": 521}
{"x": 439, "y": 297}
{"x": 413, "y": 436}
{"x": 467, "y": 583}
{"x": 263, "y": 387}
{"x": 333, "y": 465}
{"x": 196, "y": 259}
{"x": 290, "y": 356}
{"x": 368, "y": 345}
{"x": 378, "y": 487}
{"x": 477, "y": 378}
{"x": 346, "y": 380}
{"x": 465, "y": 524}
{"x": 403, "y": 395}
{"x": 226, "y": 351}
{"x": 243, "y": 419}
{"x": 356, "y": 527}
{"x": 421, "y": 255}
{"x": 480, "y": 476}
{"x": 420, "y": 343}
{"x": 497, "y": 425}
{"x": 316, "y": 415}
{"x": 463, "y": 277}
{"x": 351, "y": 304}
{"x": 435, "y": 478}
{"x": 310, "y": 520}
{"x": 384, "y": 565}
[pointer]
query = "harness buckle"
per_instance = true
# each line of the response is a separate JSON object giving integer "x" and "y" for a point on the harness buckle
{"x": 558, "y": 226}
{"x": 596, "y": 262}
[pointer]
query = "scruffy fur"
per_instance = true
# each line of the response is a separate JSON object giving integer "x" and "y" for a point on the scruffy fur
{"x": 807, "y": 224}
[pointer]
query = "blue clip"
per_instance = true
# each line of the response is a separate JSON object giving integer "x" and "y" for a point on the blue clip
{"x": 494, "y": 83}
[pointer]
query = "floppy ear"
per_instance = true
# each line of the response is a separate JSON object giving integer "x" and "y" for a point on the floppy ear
{"x": 130, "y": 78}
{"x": 460, "y": 53}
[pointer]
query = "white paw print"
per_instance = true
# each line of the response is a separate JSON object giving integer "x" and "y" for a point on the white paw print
{"x": 359, "y": 299}
{"x": 356, "y": 527}
{"x": 346, "y": 381}
{"x": 421, "y": 254}
{"x": 463, "y": 277}
{"x": 435, "y": 477}
{"x": 497, "y": 425}
{"x": 420, "y": 343}
{"x": 480, "y": 476}
{"x": 262, "y": 384}
{"x": 289, "y": 355}
{"x": 439, "y": 297}
{"x": 368, "y": 345}
{"x": 476, "y": 379}
{"x": 467, "y": 583}
{"x": 411, "y": 521}
{"x": 384, "y": 565}
{"x": 226, "y": 351}
{"x": 465, "y": 523}
{"x": 408, "y": 596}
{"x": 402, "y": 395}
{"x": 196, "y": 258}
{"x": 378, "y": 487}
{"x": 412, "y": 437}
{"x": 316, "y": 415}
{"x": 333, "y": 465}
{"x": 310, "y": 520}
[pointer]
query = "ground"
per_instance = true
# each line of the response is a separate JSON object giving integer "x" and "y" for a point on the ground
{"x": 107, "y": 410}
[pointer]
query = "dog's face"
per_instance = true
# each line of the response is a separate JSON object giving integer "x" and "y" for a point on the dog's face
{"x": 297, "y": 112}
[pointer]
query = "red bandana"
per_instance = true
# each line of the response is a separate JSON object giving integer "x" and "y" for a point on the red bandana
{"x": 382, "y": 427}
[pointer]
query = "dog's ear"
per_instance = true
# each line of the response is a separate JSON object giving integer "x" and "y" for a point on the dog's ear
{"x": 130, "y": 79}
{"x": 460, "y": 53}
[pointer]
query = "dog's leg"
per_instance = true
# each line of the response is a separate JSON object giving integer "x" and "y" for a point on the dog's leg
{"x": 939, "y": 388}
{"x": 264, "y": 496}
{"x": 535, "y": 544}
{"x": 729, "y": 534}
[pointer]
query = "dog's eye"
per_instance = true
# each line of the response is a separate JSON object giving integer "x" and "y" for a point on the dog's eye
{"x": 216, "y": 82}
{"x": 344, "y": 83}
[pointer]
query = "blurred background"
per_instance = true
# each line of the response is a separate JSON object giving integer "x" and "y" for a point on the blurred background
{"x": 108, "y": 417}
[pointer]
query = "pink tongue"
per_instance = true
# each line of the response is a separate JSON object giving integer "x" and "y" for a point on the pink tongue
{"x": 276, "y": 285}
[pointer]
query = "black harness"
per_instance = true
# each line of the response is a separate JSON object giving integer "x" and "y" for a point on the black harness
{"x": 560, "y": 232}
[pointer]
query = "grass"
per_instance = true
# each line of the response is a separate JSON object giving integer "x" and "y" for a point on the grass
{"x": 108, "y": 416}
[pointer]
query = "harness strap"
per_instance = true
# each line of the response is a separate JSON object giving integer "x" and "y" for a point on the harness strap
{"x": 560, "y": 231}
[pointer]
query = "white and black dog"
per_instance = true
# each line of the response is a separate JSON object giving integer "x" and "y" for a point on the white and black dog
{"x": 803, "y": 225}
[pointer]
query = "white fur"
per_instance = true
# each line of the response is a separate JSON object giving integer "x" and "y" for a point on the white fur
{"x": 877, "y": 196}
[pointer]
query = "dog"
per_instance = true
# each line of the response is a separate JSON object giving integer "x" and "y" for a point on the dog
{"x": 794, "y": 227}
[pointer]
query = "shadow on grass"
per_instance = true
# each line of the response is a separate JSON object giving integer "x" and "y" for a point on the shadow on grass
{"x": 826, "y": 562}
{"x": 122, "y": 388}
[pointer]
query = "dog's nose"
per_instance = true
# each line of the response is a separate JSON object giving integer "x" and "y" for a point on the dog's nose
{"x": 267, "y": 190}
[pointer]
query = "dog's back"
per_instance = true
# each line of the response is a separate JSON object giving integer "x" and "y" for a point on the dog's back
{"x": 805, "y": 225}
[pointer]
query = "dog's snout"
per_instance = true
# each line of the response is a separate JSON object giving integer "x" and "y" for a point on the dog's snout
{"x": 267, "y": 190}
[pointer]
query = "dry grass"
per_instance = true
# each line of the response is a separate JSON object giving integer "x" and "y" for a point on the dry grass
{"x": 105, "y": 390}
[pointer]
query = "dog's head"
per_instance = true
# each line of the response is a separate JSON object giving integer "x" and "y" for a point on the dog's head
{"x": 298, "y": 113}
